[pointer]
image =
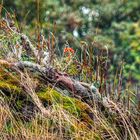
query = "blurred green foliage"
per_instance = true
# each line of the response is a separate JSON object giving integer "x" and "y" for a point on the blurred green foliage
{"x": 114, "y": 23}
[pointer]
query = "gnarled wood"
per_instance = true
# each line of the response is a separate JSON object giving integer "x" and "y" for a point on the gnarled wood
{"x": 58, "y": 79}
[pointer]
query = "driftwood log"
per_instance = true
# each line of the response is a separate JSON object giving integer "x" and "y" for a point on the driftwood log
{"x": 58, "y": 79}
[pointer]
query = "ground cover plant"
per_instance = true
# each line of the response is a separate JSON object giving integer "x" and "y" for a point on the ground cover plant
{"x": 47, "y": 92}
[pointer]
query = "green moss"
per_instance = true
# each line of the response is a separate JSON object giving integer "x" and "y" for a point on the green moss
{"x": 73, "y": 106}
{"x": 55, "y": 97}
{"x": 8, "y": 82}
{"x": 9, "y": 87}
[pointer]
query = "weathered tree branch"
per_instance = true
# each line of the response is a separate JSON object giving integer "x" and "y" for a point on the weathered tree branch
{"x": 58, "y": 79}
